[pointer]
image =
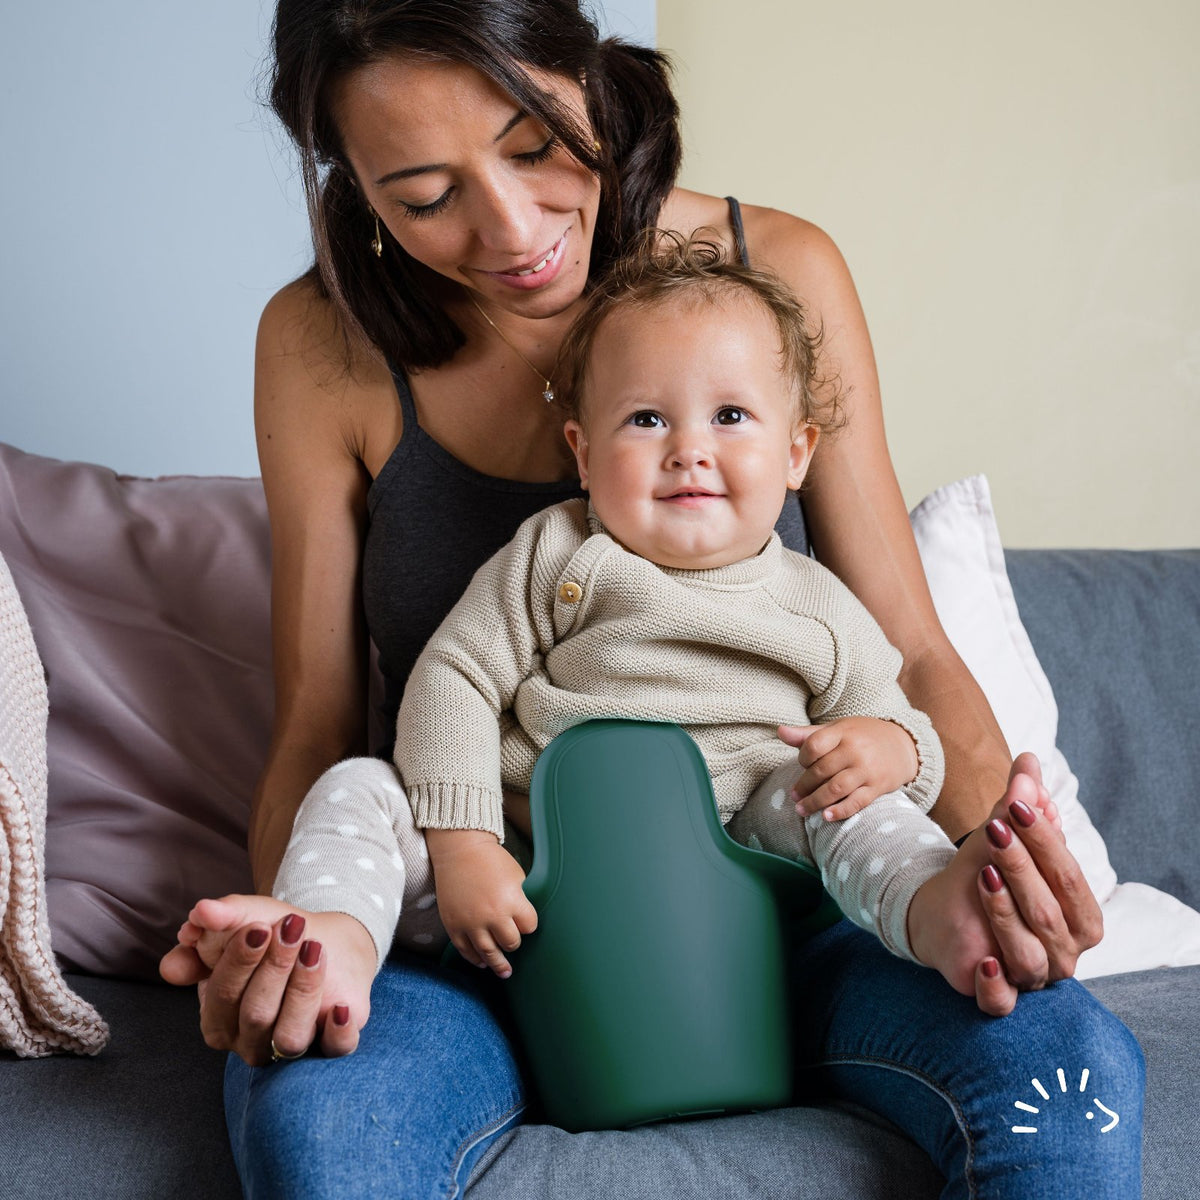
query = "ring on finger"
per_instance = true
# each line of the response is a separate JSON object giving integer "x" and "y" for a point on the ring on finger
{"x": 278, "y": 1055}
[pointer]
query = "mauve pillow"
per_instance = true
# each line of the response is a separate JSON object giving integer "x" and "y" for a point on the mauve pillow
{"x": 149, "y": 601}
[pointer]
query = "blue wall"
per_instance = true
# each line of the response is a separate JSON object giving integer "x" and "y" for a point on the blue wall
{"x": 150, "y": 208}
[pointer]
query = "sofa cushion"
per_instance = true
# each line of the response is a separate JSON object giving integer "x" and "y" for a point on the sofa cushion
{"x": 148, "y": 602}
{"x": 1118, "y": 633}
{"x": 143, "y": 1119}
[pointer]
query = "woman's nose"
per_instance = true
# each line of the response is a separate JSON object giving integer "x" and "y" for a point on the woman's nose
{"x": 506, "y": 218}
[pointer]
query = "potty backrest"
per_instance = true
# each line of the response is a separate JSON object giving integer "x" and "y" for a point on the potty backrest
{"x": 655, "y": 985}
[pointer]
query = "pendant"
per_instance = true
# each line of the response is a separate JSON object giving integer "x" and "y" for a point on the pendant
{"x": 548, "y": 393}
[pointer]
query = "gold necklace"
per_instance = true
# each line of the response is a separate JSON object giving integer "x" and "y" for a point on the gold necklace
{"x": 547, "y": 387}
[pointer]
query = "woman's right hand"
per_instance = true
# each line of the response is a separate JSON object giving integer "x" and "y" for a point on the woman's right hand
{"x": 302, "y": 981}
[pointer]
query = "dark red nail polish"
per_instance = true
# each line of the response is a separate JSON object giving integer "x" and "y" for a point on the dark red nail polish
{"x": 999, "y": 834}
{"x": 991, "y": 878}
{"x": 310, "y": 954}
{"x": 1022, "y": 813}
{"x": 292, "y": 928}
{"x": 991, "y": 968}
{"x": 256, "y": 939}
{"x": 341, "y": 1014}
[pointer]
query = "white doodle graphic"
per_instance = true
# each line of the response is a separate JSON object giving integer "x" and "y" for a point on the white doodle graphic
{"x": 1062, "y": 1087}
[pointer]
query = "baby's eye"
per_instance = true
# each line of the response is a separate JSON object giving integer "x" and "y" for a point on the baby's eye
{"x": 646, "y": 419}
{"x": 732, "y": 416}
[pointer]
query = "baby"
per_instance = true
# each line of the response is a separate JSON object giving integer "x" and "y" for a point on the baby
{"x": 665, "y": 596}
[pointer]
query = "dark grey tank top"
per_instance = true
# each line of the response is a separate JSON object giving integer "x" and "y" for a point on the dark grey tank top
{"x": 432, "y": 521}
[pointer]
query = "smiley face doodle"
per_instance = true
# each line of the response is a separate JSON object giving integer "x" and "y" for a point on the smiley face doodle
{"x": 1062, "y": 1084}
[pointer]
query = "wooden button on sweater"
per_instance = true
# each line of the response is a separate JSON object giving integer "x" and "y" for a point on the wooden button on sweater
{"x": 570, "y": 593}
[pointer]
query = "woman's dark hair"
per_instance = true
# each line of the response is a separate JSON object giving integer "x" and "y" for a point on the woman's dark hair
{"x": 393, "y": 301}
{"x": 664, "y": 265}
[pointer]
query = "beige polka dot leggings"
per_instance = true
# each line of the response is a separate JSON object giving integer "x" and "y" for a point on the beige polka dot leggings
{"x": 355, "y": 849}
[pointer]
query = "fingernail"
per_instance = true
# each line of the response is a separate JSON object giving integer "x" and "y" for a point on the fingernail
{"x": 310, "y": 954}
{"x": 999, "y": 834}
{"x": 256, "y": 939}
{"x": 341, "y": 1014}
{"x": 991, "y": 878}
{"x": 1022, "y": 813}
{"x": 292, "y": 928}
{"x": 991, "y": 968}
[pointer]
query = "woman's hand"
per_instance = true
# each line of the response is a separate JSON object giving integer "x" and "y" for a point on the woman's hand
{"x": 1040, "y": 907}
{"x": 303, "y": 980}
{"x": 1012, "y": 911}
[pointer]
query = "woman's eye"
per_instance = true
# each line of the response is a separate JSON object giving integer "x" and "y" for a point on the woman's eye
{"x": 732, "y": 416}
{"x": 541, "y": 153}
{"x": 418, "y": 211}
{"x": 646, "y": 420}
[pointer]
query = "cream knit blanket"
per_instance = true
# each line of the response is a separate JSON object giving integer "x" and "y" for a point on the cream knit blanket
{"x": 39, "y": 1014}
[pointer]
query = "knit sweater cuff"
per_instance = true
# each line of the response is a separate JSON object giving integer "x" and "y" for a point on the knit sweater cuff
{"x": 924, "y": 790}
{"x": 457, "y": 806}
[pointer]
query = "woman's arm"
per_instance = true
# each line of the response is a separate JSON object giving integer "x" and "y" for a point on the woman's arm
{"x": 316, "y": 489}
{"x": 860, "y": 529}
{"x": 309, "y": 418}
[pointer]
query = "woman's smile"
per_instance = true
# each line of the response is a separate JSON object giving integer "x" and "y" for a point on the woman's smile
{"x": 539, "y": 273}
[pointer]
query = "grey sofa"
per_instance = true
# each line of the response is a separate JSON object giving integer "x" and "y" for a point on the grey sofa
{"x": 1119, "y": 636}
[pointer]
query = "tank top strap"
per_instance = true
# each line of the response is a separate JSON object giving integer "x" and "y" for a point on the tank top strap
{"x": 408, "y": 406}
{"x": 739, "y": 230}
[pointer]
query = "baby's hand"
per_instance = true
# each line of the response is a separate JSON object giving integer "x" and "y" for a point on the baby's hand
{"x": 848, "y": 763}
{"x": 479, "y": 896}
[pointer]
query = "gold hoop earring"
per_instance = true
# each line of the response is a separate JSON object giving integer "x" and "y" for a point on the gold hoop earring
{"x": 377, "y": 240}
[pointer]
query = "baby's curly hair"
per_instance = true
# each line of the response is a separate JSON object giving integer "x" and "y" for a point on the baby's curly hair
{"x": 667, "y": 264}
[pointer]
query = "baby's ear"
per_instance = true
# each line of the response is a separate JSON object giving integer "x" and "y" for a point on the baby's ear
{"x": 577, "y": 440}
{"x": 804, "y": 442}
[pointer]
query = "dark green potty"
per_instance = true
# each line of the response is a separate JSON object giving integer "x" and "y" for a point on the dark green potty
{"x": 655, "y": 985}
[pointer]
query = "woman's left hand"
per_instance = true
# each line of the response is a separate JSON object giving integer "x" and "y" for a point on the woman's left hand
{"x": 1043, "y": 914}
{"x": 1011, "y": 912}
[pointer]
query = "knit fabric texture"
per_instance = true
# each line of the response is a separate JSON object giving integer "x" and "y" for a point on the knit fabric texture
{"x": 39, "y": 1014}
{"x": 564, "y": 625}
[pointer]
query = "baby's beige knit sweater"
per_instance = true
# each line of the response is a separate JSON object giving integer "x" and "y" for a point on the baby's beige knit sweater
{"x": 564, "y": 625}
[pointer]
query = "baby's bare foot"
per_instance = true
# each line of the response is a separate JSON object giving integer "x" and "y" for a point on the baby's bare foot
{"x": 213, "y": 924}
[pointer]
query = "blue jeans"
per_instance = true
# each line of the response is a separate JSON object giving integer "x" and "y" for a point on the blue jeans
{"x": 434, "y": 1082}
{"x": 894, "y": 1038}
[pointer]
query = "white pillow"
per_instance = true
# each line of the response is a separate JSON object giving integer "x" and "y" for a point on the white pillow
{"x": 956, "y": 534}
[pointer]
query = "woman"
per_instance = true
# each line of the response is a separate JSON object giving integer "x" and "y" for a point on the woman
{"x": 468, "y": 167}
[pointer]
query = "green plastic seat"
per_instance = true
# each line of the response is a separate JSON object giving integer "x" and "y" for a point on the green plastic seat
{"x": 655, "y": 986}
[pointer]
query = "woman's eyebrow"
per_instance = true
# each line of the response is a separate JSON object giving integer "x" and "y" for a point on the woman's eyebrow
{"x": 409, "y": 172}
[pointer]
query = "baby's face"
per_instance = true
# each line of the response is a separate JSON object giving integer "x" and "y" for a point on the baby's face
{"x": 687, "y": 445}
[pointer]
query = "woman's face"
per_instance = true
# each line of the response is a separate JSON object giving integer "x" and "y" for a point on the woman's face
{"x": 468, "y": 184}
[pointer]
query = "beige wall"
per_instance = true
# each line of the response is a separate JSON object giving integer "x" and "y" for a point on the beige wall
{"x": 1017, "y": 191}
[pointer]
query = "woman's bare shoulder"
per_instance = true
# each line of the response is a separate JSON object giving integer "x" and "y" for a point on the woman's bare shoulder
{"x": 796, "y": 249}
{"x": 319, "y": 386}
{"x": 301, "y": 325}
